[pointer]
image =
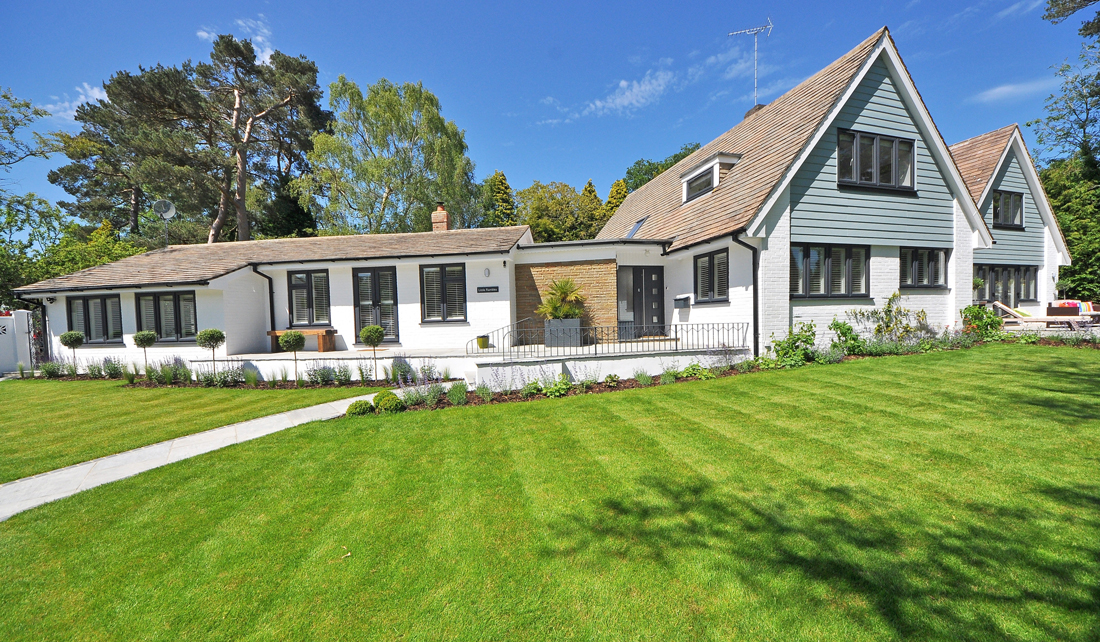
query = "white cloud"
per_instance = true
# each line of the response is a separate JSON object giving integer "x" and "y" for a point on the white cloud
{"x": 259, "y": 32}
{"x": 632, "y": 95}
{"x": 66, "y": 106}
{"x": 207, "y": 33}
{"x": 1021, "y": 7}
{"x": 1015, "y": 91}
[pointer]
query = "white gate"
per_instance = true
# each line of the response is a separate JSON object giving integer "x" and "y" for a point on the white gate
{"x": 15, "y": 341}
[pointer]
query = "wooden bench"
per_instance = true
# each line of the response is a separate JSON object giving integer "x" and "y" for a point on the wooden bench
{"x": 326, "y": 338}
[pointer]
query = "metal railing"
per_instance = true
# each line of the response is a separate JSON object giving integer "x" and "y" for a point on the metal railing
{"x": 528, "y": 339}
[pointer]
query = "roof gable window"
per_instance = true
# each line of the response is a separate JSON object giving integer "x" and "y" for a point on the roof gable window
{"x": 1008, "y": 209}
{"x": 873, "y": 160}
{"x": 703, "y": 177}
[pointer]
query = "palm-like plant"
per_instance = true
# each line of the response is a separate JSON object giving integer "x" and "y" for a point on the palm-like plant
{"x": 563, "y": 300}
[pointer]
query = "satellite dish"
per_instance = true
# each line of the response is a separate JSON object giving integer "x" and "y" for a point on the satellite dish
{"x": 164, "y": 209}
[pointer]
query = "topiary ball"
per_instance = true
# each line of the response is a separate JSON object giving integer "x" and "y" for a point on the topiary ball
{"x": 145, "y": 338}
{"x": 211, "y": 339}
{"x": 72, "y": 339}
{"x": 360, "y": 408}
{"x": 372, "y": 335}
{"x": 386, "y": 402}
{"x": 292, "y": 341}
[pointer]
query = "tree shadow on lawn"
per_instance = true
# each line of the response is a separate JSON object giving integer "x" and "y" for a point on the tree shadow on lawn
{"x": 962, "y": 571}
{"x": 1077, "y": 390}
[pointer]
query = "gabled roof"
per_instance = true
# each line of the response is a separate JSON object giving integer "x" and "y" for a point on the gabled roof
{"x": 773, "y": 142}
{"x": 978, "y": 157}
{"x": 199, "y": 264}
{"x": 768, "y": 141}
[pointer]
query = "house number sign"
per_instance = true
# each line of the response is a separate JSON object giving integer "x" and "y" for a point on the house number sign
{"x": 481, "y": 289}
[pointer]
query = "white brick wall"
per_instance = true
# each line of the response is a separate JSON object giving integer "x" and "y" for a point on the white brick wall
{"x": 775, "y": 261}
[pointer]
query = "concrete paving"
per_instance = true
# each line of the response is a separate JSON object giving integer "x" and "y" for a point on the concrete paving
{"x": 22, "y": 494}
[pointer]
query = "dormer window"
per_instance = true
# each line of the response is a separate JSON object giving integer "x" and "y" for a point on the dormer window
{"x": 700, "y": 185}
{"x": 703, "y": 177}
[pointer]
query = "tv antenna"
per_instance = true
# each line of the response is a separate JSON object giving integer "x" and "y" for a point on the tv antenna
{"x": 165, "y": 210}
{"x": 755, "y": 32}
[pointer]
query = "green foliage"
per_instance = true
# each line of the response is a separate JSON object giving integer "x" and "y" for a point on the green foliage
{"x": 846, "y": 338}
{"x": 360, "y": 408}
{"x": 615, "y": 198}
{"x": 16, "y": 118}
{"x": 319, "y": 375}
{"x": 559, "y": 388}
{"x": 386, "y": 402}
{"x": 833, "y": 354}
{"x": 72, "y": 339}
{"x": 112, "y": 368}
{"x": 982, "y": 322}
{"x": 557, "y": 212}
{"x": 94, "y": 370}
{"x": 71, "y": 369}
{"x": 456, "y": 394}
{"x": 530, "y": 389}
{"x": 643, "y": 378}
{"x": 563, "y": 300}
{"x": 292, "y": 341}
{"x": 644, "y": 170}
{"x": 1028, "y": 337}
{"x": 22, "y": 368}
{"x": 892, "y": 322}
{"x": 50, "y": 369}
{"x": 746, "y": 366}
{"x": 145, "y": 338}
{"x": 29, "y": 226}
{"x": 251, "y": 376}
{"x": 611, "y": 381}
{"x": 129, "y": 375}
{"x": 797, "y": 348}
{"x": 1075, "y": 199}
{"x": 210, "y": 338}
{"x": 387, "y": 158}
{"x": 433, "y": 393}
{"x": 372, "y": 335}
{"x": 1059, "y": 10}
{"x": 484, "y": 392}
{"x": 695, "y": 370}
{"x": 669, "y": 376}
{"x": 341, "y": 374}
{"x": 498, "y": 201}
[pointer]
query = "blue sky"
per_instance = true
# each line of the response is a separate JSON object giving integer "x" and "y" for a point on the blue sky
{"x": 561, "y": 91}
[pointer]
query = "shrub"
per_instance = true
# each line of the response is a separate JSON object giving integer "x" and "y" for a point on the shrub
{"x": 982, "y": 322}
{"x": 834, "y": 354}
{"x": 342, "y": 374}
{"x": 611, "y": 381}
{"x": 668, "y": 376}
{"x": 434, "y": 392}
{"x": 697, "y": 371}
{"x": 372, "y": 335}
{"x": 145, "y": 340}
{"x": 401, "y": 370}
{"x": 51, "y": 369}
{"x": 72, "y": 340}
{"x": 112, "y": 368}
{"x": 292, "y": 341}
{"x": 530, "y": 389}
{"x": 360, "y": 408}
{"x": 643, "y": 378}
{"x": 71, "y": 370}
{"x": 251, "y": 376}
{"x": 129, "y": 375}
{"x": 796, "y": 349}
{"x": 22, "y": 368}
{"x": 893, "y": 322}
{"x": 364, "y": 372}
{"x": 95, "y": 371}
{"x": 748, "y": 365}
{"x": 847, "y": 339}
{"x": 1029, "y": 337}
{"x": 319, "y": 375}
{"x": 559, "y": 388}
{"x": 167, "y": 374}
{"x": 563, "y": 300}
{"x": 484, "y": 391}
{"x": 1075, "y": 339}
{"x": 457, "y": 393}
{"x": 227, "y": 378}
{"x": 211, "y": 339}
{"x": 386, "y": 402}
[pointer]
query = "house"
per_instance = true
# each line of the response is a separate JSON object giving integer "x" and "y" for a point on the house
{"x": 833, "y": 197}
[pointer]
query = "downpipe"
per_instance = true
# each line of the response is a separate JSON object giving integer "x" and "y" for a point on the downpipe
{"x": 755, "y": 292}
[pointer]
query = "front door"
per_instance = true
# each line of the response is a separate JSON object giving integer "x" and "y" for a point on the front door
{"x": 649, "y": 301}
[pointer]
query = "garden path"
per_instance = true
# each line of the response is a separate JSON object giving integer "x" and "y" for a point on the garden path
{"x": 23, "y": 494}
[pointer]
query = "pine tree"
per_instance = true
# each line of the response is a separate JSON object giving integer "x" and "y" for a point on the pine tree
{"x": 615, "y": 198}
{"x": 500, "y": 201}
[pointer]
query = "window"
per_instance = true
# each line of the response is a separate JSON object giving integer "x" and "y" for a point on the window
{"x": 923, "y": 268}
{"x": 98, "y": 317}
{"x": 376, "y": 300}
{"x": 829, "y": 271}
{"x": 443, "y": 292}
{"x": 309, "y": 302}
{"x": 875, "y": 161}
{"x": 1009, "y": 284}
{"x": 1008, "y": 209}
{"x": 171, "y": 315}
{"x": 634, "y": 230}
{"x": 712, "y": 281}
{"x": 700, "y": 185}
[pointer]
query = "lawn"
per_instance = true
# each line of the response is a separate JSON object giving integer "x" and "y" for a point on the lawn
{"x": 946, "y": 496}
{"x": 51, "y": 424}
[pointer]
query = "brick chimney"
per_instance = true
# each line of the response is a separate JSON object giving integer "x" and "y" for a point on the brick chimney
{"x": 441, "y": 220}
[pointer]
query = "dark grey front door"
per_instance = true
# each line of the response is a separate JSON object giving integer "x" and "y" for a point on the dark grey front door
{"x": 649, "y": 301}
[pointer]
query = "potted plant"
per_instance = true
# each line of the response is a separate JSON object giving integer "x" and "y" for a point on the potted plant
{"x": 483, "y": 342}
{"x": 562, "y": 308}
{"x": 979, "y": 283}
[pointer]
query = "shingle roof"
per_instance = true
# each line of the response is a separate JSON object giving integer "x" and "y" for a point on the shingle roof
{"x": 190, "y": 264}
{"x": 768, "y": 141}
{"x": 977, "y": 158}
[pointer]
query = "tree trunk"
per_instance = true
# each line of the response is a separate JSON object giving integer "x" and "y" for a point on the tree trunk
{"x": 223, "y": 213}
{"x": 135, "y": 208}
{"x": 243, "y": 225}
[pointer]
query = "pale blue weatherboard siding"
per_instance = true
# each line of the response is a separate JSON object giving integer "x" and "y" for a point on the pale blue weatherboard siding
{"x": 1014, "y": 247}
{"x": 822, "y": 212}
